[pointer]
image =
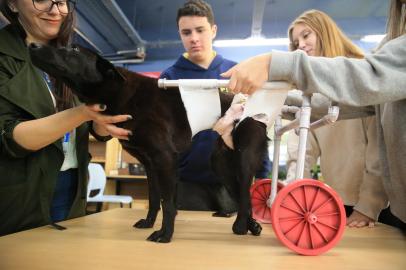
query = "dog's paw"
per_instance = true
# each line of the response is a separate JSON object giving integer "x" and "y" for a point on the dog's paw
{"x": 144, "y": 223}
{"x": 159, "y": 237}
{"x": 240, "y": 227}
{"x": 254, "y": 227}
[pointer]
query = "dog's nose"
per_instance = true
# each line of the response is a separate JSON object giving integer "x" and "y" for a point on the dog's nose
{"x": 35, "y": 45}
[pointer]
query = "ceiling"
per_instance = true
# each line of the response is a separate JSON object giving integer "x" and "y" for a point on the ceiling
{"x": 155, "y": 20}
{"x": 137, "y": 30}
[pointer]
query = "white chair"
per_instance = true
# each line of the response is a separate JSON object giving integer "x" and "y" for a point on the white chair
{"x": 97, "y": 182}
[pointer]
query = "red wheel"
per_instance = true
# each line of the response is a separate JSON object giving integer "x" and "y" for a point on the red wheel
{"x": 308, "y": 217}
{"x": 260, "y": 191}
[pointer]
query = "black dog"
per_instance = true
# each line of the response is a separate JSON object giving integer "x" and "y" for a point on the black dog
{"x": 160, "y": 131}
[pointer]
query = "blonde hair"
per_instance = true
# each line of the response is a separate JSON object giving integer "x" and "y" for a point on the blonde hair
{"x": 396, "y": 25}
{"x": 331, "y": 41}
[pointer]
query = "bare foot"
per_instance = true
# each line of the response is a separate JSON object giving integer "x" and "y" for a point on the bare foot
{"x": 359, "y": 220}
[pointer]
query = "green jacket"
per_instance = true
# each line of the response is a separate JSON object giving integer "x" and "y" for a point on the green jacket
{"x": 27, "y": 178}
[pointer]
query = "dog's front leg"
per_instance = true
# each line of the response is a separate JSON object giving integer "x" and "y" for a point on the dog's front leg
{"x": 164, "y": 235}
{"x": 167, "y": 182}
{"x": 153, "y": 199}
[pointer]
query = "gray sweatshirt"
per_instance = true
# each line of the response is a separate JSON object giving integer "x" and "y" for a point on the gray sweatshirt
{"x": 379, "y": 79}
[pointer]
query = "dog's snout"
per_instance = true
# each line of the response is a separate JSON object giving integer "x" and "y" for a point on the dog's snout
{"x": 35, "y": 45}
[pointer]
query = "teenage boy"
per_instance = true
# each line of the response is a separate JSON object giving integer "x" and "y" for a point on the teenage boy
{"x": 199, "y": 188}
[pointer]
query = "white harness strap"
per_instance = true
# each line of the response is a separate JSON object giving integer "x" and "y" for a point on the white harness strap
{"x": 202, "y": 104}
{"x": 264, "y": 105}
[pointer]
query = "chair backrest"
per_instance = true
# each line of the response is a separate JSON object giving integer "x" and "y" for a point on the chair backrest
{"x": 97, "y": 179}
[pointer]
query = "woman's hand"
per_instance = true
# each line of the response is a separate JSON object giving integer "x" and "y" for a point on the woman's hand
{"x": 249, "y": 75}
{"x": 36, "y": 134}
{"x": 103, "y": 124}
{"x": 359, "y": 220}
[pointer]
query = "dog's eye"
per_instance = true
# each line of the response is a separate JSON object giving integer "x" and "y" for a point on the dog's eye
{"x": 75, "y": 48}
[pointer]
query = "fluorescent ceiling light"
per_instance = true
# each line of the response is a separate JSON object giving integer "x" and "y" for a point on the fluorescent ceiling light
{"x": 251, "y": 42}
{"x": 373, "y": 38}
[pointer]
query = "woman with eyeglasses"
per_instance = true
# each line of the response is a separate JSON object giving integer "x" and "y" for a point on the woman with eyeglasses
{"x": 44, "y": 130}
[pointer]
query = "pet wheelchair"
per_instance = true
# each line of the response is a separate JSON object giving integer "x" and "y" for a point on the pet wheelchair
{"x": 307, "y": 216}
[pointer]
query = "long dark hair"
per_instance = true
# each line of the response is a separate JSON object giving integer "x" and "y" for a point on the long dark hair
{"x": 64, "y": 96}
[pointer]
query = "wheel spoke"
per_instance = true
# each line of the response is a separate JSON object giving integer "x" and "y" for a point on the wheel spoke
{"x": 290, "y": 194}
{"x": 321, "y": 234}
{"x": 264, "y": 211}
{"x": 304, "y": 196}
{"x": 291, "y": 209}
{"x": 321, "y": 205}
{"x": 254, "y": 196}
{"x": 301, "y": 233}
{"x": 327, "y": 225}
{"x": 265, "y": 192}
{"x": 328, "y": 214}
{"x": 314, "y": 199}
{"x": 310, "y": 235}
{"x": 290, "y": 219}
{"x": 294, "y": 226}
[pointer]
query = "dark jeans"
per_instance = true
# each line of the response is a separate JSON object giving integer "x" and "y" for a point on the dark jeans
{"x": 64, "y": 195}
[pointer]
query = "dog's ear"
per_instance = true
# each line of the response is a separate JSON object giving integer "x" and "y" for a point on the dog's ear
{"x": 107, "y": 69}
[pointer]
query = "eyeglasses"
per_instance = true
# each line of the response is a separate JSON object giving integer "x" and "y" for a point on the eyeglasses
{"x": 64, "y": 6}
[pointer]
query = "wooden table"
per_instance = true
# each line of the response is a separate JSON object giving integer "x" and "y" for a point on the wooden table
{"x": 108, "y": 241}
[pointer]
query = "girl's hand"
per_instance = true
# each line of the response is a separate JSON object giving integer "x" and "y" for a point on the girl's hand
{"x": 249, "y": 75}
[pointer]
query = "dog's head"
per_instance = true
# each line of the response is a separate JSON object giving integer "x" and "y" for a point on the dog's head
{"x": 91, "y": 77}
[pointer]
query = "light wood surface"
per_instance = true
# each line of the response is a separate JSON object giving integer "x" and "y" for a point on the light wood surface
{"x": 108, "y": 241}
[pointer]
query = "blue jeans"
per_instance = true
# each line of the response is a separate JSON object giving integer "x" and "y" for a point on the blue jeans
{"x": 64, "y": 194}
